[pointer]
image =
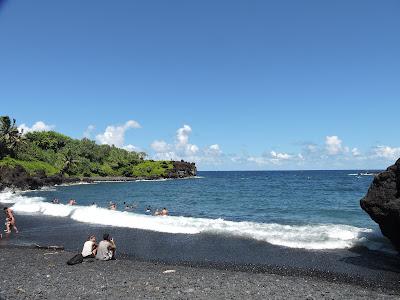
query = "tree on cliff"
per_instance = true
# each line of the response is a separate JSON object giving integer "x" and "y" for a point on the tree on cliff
{"x": 10, "y": 137}
{"x": 54, "y": 153}
{"x": 69, "y": 160}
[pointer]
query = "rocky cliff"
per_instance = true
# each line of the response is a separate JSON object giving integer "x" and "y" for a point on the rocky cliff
{"x": 182, "y": 169}
{"x": 382, "y": 202}
{"x": 18, "y": 178}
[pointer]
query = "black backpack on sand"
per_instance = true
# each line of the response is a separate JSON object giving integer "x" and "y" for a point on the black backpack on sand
{"x": 76, "y": 259}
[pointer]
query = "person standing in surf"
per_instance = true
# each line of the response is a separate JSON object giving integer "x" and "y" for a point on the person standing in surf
{"x": 10, "y": 220}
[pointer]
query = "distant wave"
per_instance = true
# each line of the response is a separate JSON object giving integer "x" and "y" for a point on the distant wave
{"x": 150, "y": 180}
{"x": 321, "y": 236}
{"x": 147, "y": 180}
{"x": 361, "y": 174}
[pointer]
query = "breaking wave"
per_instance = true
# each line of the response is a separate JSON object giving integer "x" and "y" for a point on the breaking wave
{"x": 315, "y": 236}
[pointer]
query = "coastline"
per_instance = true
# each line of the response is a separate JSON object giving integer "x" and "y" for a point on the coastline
{"x": 312, "y": 273}
{"x": 69, "y": 181}
{"x": 33, "y": 273}
{"x": 15, "y": 176}
{"x": 366, "y": 269}
{"x": 128, "y": 179}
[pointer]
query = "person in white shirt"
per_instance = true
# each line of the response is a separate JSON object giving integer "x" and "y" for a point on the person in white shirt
{"x": 89, "y": 247}
{"x": 106, "y": 248}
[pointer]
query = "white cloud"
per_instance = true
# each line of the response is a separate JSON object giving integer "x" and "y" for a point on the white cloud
{"x": 387, "y": 152}
{"x": 311, "y": 148}
{"x": 88, "y": 132}
{"x": 183, "y": 149}
{"x": 182, "y": 141}
{"x": 182, "y": 135}
{"x": 355, "y": 152}
{"x": 333, "y": 145}
{"x": 191, "y": 149}
{"x": 115, "y": 135}
{"x": 160, "y": 146}
{"x": 274, "y": 158}
{"x": 38, "y": 126}
{"x": 259, "y": 160}
{"x": 280, "y": 156}
{"x": 131, "y": 148}
{"x": 214, "y": 149}
{"x": 167, "y": 156}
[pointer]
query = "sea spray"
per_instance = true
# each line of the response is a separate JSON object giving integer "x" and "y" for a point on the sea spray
{"x": 312, "y": 236}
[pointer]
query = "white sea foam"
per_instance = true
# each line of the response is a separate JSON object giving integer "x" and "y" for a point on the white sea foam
{"x": 362, "y": 174}
{"x": 167, "y": 179}
{"x": 151, "y": 180}
{"x": 10, "y": 197}
{"x": 75, "y": 183}
{"x": 322, "y": 236}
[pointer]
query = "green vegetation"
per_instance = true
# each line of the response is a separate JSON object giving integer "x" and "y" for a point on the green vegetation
{"x": 55, "y": 153}
{"x": 32, "y": 167}
{"x": 150, "y": 168}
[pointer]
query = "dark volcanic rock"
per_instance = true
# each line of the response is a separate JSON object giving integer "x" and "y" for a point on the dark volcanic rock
{"x": 183, "y": 169}
{"x": 17, "y": 177}
{"x": 382, "y": 202}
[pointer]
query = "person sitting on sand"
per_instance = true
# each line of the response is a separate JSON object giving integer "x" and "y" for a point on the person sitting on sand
{"x": 89, "y": 247}
{"x": 72, "y": 202}
{"x": 106, "y": 248}
{"x": 10, "y": 220}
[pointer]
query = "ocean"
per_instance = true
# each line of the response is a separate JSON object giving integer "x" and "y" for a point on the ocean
{"x": 294, "y": 209}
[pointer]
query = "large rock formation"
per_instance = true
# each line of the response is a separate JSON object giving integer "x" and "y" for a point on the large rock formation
{"x": 382, "y": 202}
{"x": 182, "y": 169}
{"x": 18, "y": 178}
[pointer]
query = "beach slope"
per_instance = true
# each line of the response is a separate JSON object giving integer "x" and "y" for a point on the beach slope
{"x": 32, "y": 274}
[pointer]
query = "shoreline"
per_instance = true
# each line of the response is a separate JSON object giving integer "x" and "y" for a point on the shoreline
{"x": 363, "y": 272}
{"x": 360, "y": 267}
{"x": 35, "y": 273}
{"x": 71, "y": 181}
{"x": 18, "y": 178}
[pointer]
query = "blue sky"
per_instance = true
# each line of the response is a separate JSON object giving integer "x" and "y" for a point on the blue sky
{"x": 260, "y": 85}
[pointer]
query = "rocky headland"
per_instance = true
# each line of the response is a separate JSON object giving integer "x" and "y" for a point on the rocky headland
{"x": 382, "y": 202}
{"x": 16, "y": 177}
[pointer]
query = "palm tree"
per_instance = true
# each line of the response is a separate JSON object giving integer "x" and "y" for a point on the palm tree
{"x": 10, "y": 137}
{"x": 69, "y": 160}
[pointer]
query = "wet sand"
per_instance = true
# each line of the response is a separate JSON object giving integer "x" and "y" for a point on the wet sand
{"x": 207, "y": 266}
{"x": 43, "y": 274}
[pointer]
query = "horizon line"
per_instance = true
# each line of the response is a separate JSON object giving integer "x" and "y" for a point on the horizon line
{"x": 292, "y": 170}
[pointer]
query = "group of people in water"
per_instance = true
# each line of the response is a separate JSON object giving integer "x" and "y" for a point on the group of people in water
{"x": 127, "y": 207}
{"x": 105, "y": 250}
{"x": 11, "y": 224}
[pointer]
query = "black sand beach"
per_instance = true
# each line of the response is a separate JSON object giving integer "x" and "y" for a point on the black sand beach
{"x": 43, "y": 274}
{"x": 206, "y": 266}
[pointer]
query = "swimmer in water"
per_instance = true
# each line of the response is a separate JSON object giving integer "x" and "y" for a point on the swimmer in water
{"x": 72, "y": 202}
